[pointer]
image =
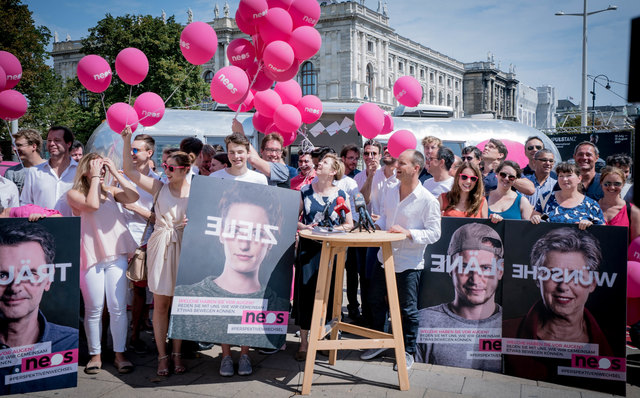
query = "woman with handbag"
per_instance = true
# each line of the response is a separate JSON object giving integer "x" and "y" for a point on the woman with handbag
{"x": 106, "y": 243}
{"x": 163, "y": 248}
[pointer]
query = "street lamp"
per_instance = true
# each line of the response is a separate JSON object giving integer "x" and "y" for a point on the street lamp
{"x": 584, "y": 15}
{"x": 593, "y": 97}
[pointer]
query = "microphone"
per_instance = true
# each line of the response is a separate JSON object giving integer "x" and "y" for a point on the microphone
{"x": 341, "y": 209}
{"x": 365, "y": 218}
{"x": 326, "y": 222}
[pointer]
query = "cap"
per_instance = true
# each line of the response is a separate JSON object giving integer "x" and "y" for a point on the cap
{"x": 475, "y": 236}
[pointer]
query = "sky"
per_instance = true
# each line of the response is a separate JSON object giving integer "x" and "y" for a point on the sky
{"x": 545, "y": 49}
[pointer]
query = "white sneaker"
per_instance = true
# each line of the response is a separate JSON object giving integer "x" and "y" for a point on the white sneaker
{"x": 408, "y": 358}
{"x": 372, "y": 353}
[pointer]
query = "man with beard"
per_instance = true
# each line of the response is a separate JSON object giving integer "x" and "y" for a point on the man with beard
{"x": 585, "y": 155}
{"x": 476, "y": 250}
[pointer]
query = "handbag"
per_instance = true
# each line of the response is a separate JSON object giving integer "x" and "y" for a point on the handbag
{"x": 137, "y": 266}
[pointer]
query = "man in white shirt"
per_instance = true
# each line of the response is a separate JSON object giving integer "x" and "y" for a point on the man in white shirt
{"x": 9, "y": 196}
{"x": 439, "y": 166}
{"x": 28, "y": 145}
{"x": 407, "y": 209}
{"x": 47, "y": 184}
{"x": 238, "y": 147}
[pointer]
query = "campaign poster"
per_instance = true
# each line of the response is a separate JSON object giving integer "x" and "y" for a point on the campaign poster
{"x": 39, "y": 303}
{"x": 236, "y": 264}
{"x": 460, "y": 315}
{"x": 564, "y": 311}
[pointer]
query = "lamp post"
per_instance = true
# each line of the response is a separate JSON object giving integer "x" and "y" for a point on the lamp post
{"x": 584, "y": 15}
{"x": 593, "y": 97}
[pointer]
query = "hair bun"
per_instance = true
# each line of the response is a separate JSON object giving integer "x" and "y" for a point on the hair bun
{"x": 192, "y": 158}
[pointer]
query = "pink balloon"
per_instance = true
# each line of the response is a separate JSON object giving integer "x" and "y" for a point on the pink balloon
{"x": 310, "y": 108}
{"x": 400, "y": 141}
{"x": 289, "y": 91}
{"x": 266, "y": 102}
{"x": 633, "y": 279}
{"x": 287, "y": 118}
{"x": 286, "y": 75}
{"x": 12, "y": 69}
{"x": 248, "y": 27}
{"x": 515, "y": 151}
{"x": 304, "y": 12}
{"x": 149, "y": 108}
{"x": 245, "y": 105}
{"x": 258, "y": 44}
{"x": 369, "y": 120}
{"x": 305, "y": 41}
{"x": 94, "y": 73}
{"x": 229, "y": 85}
{"x": 121, "y": 115}
{"x": 278, "y": 56}
{"x": 288, "y": 138}
{"x": 198, "y": 43}
{"x": 633, "y": 254}
{"x": 284, "y": 4}
{"x": 13, "y": 105}
{"x": 3, "y": 79}
{"x": 277, "y": 25}
{"x": 241, "y": 53}
{"x": 261, "y": 122}
{"x": 407, "y": 91}
{"x": 262, "y": 82}
{"x": 132, "y": 66}
{"x": 253, "y": 9}
{"x": 388, "y": 124}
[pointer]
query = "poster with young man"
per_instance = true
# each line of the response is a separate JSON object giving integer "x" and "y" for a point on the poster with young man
{"x": 564, "y": 311}
{"x": 460, "y": 317}
{"x": 236, "y": 262}
{"x": 39, "y": 302}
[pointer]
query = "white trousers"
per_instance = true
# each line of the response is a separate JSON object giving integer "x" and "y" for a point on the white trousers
{"x": 108, "y": 279}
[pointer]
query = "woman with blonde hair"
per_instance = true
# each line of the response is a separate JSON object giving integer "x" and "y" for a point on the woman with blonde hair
{"x": 163, "y": 247}
{"x": 106, "y": 243}
{"x": 466, "y": 197}
{"x": 315, "y": 198}
{"x": 616, "y": 210}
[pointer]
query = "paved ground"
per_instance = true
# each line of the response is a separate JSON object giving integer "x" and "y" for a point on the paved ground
{"x": 280, "y": 375}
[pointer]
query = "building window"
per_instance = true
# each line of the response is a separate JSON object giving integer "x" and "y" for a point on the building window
{"x": 309, "y": 79}
{"x": 83, "y": 97}
{"x": 422, "y": 74}
{"x": 457, "y": 85}
{"x": 412, "y": 70}
{"x": 208, "y": 76}
{"x": 370, "y": 82}
{"x": 440, "y": 98}
{"x": 449, "y": 83}
{"x": 400, "y": 66}
{"x": 440, "y": 80}
{"x": 370, "y": 46}
{"x": 432, "y": 97}
{"x": 431, "y": 77}
{"x": 448, "y": 99}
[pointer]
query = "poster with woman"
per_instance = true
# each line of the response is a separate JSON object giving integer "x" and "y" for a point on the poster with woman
{"x": 564, "y": 305}
{"x": 234, "y": 278}
{"x": 39, "y": 302}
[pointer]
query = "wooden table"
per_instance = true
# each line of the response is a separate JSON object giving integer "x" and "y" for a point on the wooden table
{"x": 336, "y": 245}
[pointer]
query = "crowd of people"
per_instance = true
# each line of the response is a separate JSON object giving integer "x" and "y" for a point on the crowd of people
{"x": 122, "y": 209}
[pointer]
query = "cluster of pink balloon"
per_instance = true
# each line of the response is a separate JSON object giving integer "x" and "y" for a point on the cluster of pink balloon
{"x": 372, "y": 121}
{"x": 633, "y": 269}
{"x": 132, "y": 66}
{"x": 13, "y": 105}
{"x": 282, "y": 37}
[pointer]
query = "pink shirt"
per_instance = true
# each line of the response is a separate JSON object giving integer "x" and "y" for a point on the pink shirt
{"x": 29, "y": 209}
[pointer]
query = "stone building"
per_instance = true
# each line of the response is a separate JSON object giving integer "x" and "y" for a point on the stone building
{"x": 526, "y": 104}
{"x": 546, "y": 110}
{"x": 66, "y": 55}
{"x": 488, "y": 90}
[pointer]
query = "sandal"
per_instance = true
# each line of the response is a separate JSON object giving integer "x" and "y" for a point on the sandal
{"x": 123, "y": 367}
{"x": 178, "y": 368}
{"x": 164, "y": 372}
{"x": 93, "y": 367}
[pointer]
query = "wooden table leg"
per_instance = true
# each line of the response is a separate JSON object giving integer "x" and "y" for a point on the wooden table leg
{"x": 337, "y": 299}
{"x": 394, "y": 311}
{"x": 319, "y": 307}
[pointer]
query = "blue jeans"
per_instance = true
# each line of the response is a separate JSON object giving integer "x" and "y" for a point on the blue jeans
{"x": 408, "y": 284}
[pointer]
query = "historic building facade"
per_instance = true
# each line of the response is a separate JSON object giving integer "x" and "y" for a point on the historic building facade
{"x": 488, "y": 90}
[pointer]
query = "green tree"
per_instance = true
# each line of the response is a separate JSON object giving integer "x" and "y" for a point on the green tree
{"x": 50, "y": 101}
{"x": 168, "y": 69}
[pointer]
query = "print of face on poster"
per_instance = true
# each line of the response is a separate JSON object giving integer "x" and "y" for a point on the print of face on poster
{"x": 564, "y": 305}
{"x": 39, "y": 301}
{"x": 460, "y": 296}
{"x": 234, "y": 278}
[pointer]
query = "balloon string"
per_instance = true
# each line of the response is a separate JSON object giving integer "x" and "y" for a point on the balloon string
{"x": 103, "y": 107}
{"x": 181, "y": 83}
{"x": 13, "y": 143}
{"x": 130, "y": 89}
{"x": 255, "y": 77}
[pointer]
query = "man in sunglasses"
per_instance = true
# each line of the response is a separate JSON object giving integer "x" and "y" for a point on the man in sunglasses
{"x": 531, "y": 146}
{"x": 493, "y": 153}
{"x": 542, "y": 178}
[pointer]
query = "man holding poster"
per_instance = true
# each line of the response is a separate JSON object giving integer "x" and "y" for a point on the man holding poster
{"x": 34, "y": 354}
{"x": 449, "y": 333}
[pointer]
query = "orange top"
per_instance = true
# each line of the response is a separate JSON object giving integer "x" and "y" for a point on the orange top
{"x": 457, "y": 213}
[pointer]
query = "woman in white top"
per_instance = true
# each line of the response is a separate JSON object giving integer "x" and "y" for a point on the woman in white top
{"x": 106, "y": 243}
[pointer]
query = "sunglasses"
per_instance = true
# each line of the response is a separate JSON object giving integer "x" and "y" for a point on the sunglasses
{"x": 465, "y": 176}
{"x": 505, "y": 175}
{"x": 172, "y": 168}
{"x": 467, "y": 158}
{"x": 370, "y": 153}
{"x": 536, "y": 147}
{"x": 135, "y": 151}
{"x": 616, "y": 184}
{"x": 545, "y": 160}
